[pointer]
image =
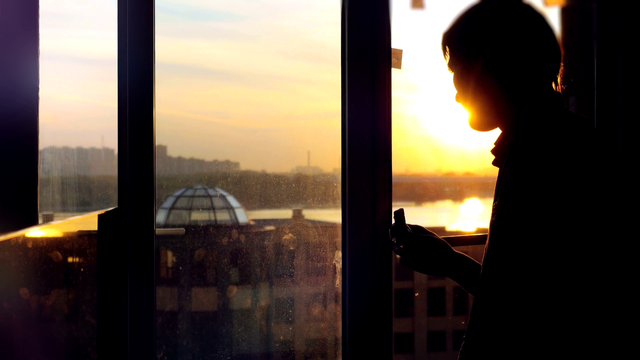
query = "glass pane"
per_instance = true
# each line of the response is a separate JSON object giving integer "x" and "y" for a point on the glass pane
{"x": 78, "y": 107}
{"x": 167, "y": 204}
{"x": 200, "y": 217}
{"x": 161, "y": 217}
{"x": 248, "y": 110}
{"x": 233, "y": 201}
{"x": 218, "y": 202}
{"x": 201, "y": 203}
{"x": 223, "y": 216}
{"x": 443, "y": 175}
{"x": 178, "y": 217}
{"x": 183, "y": 203}
{"x": 241, "y": 216}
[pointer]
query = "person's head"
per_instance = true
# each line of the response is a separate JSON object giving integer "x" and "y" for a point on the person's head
{"x": 501, "y": 53}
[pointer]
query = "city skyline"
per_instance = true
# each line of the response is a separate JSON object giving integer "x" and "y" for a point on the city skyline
{"x": 213, "y": 97}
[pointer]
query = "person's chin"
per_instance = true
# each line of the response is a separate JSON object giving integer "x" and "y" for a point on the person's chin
{"x": 481, "y": 124}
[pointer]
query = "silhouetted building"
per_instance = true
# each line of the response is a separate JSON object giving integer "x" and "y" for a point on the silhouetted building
{"x": 68, "y": 161}
{"x": 307, "y": 170}
{"x": 430, "y": 313}
{"x": 169, "y": 165}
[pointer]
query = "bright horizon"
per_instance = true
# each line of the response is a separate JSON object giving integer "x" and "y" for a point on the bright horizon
{"x": 255, "y": 83}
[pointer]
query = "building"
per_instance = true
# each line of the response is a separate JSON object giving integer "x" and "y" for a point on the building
{"x": 69, "y": 161}
{"x": 169, "y": 165}
{"x": 307, "y": 170}
{"x": 430, "y": 313}
{"x": 235, "y": 288}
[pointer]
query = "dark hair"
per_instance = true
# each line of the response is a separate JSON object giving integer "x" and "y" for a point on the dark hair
{"x": 514, "y": 42}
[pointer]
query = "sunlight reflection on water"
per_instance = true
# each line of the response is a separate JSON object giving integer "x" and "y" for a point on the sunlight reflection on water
{"x": 465, "y": 216}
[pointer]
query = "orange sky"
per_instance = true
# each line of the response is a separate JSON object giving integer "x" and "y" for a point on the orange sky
{"x": 256, "y": 82}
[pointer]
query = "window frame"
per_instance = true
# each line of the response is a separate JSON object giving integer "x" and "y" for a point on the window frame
{"x": 19, "y": 121}
{"x": 367, "y": 287}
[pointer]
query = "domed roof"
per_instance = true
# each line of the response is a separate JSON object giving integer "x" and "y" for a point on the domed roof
{"x": 200, "y": 205}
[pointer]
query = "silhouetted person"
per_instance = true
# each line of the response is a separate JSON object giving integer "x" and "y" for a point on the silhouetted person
{"x": 541, "y": 286}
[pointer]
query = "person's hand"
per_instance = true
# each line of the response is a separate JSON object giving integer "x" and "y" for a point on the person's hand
{"x": 422, "y": 250}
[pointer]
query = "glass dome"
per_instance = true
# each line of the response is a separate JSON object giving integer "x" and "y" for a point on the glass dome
{"x": 200, "y": 205}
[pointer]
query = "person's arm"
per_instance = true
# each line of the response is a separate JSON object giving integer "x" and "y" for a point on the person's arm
{"x": 424, "y": 251}
{"x": 465, "y": 270}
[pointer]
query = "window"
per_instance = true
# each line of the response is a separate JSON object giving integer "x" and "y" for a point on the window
{"x": 247, "y": 162}
{"x": 284, "y": 311}
{"x": 131, "y": 236}
{"x": 284, "y": 350}
{"x": 436, "y": 302}
{"x": 240, "y": 263}
{"x": 442, "y": 172}
{"x": 317, "y": 307}
{"x": 78, "y": 158}
{"x": 403, "y": 343}
{"x": 284, "y": 261}
{"x": 403, "y": 303}
{"x": 317, "y": 349}
{"x": 248, "y": 158}
{"x": 458, "y": 338}
{"x": 316, "y": 260}
{"x": 436, "y": 341}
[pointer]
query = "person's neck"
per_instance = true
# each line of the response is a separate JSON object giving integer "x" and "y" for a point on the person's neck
{"x": 528, "y": 106}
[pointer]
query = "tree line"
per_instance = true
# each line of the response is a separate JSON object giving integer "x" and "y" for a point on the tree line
{"x": 254, "y": 190}
{"x": 260, "y": 190}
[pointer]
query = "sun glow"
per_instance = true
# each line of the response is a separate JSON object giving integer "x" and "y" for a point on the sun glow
{"x": 431, "y": 132}
{"x": 471, "y": 211}
{"x": 472, "y": 207}
{"x": 447, "y": 122}
{"x": 44, "y": 232}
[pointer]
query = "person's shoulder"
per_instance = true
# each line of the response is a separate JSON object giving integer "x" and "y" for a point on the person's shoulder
{"x": 573, "y": 123}
{"x": 574, "y": 133}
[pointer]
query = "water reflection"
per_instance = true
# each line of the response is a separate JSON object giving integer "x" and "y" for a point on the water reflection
{"x": 470, "y": 216}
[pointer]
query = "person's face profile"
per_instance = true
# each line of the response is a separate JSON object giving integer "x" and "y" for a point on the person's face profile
{"x": 479, "y": 94}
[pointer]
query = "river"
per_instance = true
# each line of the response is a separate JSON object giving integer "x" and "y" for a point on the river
{"x": 466, "y": 215}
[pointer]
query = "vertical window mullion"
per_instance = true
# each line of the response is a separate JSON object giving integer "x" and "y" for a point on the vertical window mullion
{"x": 366, "y": 179}
{"x": 19, "y": 86}
{"x": 136, "y": 171}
